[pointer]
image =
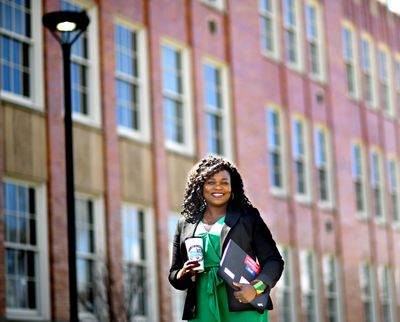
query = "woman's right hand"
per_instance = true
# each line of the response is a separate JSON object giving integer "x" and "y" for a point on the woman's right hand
{"x": 188, "y": 268}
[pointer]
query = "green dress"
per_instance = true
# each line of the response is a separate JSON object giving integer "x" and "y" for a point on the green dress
{"x": 212, "y": 300}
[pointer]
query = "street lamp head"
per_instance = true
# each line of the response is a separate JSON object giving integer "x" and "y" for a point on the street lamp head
{"x": 63, "y": 23}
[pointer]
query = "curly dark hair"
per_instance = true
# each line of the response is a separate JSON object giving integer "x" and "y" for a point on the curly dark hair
{"x": 194, "y": 205}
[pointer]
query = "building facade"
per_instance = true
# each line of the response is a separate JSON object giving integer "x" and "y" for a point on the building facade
{"x": 303, "y": 95}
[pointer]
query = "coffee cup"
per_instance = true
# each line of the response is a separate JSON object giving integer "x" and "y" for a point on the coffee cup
{"x": 194, "y": 248}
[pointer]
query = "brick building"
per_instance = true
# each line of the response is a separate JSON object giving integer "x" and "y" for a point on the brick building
{"x": 303, "y": 95}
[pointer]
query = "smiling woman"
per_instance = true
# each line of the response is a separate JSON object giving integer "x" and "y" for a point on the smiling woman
{"x": 216, "y": 209}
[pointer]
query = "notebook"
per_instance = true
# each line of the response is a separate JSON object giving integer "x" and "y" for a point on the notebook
{"x": 237, "y": 266}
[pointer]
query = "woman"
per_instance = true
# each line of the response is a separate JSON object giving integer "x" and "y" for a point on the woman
{"x": 216, "y": 208}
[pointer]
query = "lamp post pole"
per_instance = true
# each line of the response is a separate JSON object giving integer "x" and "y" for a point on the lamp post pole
{"x": 69, "y": 173}
{"x": 66, "y": 27}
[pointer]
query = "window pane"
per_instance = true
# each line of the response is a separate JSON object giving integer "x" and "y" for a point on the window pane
{"x": 172, "y": 70}
{"x": 214, "y": 132}
{"x": 173, "y": 120}
{"x": 135, "y": 257}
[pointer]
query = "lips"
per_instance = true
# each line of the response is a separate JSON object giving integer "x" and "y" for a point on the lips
{"x": 217, "y": 194}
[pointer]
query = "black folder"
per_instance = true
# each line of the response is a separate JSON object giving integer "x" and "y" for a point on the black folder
{"x": 237, "y": 266}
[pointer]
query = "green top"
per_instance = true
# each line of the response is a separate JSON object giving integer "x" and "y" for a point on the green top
{"x": 212, "y": 300}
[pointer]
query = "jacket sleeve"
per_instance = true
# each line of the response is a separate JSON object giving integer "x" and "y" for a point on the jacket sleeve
{"x": 267, "y": 253}
{"x": 178, "y": 261}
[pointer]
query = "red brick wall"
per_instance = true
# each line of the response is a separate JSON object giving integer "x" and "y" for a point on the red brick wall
{"x": 255, "y": 81}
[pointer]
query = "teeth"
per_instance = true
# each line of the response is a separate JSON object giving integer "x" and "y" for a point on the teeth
{"x": 217, "y": 194}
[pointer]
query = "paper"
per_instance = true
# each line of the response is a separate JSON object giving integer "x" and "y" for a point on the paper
{"x": 243, "y": 280}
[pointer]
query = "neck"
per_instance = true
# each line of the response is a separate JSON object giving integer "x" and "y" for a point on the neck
{"x": 215, "y": 212}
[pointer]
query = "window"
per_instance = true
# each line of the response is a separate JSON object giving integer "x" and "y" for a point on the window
{"x": 216, "y": 109}
{"x": 178, "y": 297}
{"x": 300, "y": 159}
{"x": 26, "y": 254}
{"x": 385, "y": 85}
{"x": 139, "y": 258}
{"x": 393, "y": 187}
{"x": 332, "y": 290}
{"x": 269, "y": 28}
{"x": 387, "y": 294}
{"x": 276, "y": 155}
{"x": 314, "y": 39}
{"x": 90, "y": 256}
{"x": 397, "y": 82}
{"x": 176, "y": 97}
{"x": 85, "y": 86}
{"x": 359, "y": 178}
{"x": 286, "y": 289}
{"x": 323, "y": 165}
{"x": 309, "y": 286}
{"x": 291, "y": 16}
{"x": 377, "y": 185}
{"x": 131, "y": 80}
{"x": 350, "y": 59}
{"x": 21, "y": 61}
{"x": 218, "y": 4}
{"x": 367, "y": 284}
{"x": 397, "y": 281}
{"x": 367, "y": 67}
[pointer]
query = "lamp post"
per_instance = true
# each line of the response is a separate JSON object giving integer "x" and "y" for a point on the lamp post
{"x": 66, "y": 27}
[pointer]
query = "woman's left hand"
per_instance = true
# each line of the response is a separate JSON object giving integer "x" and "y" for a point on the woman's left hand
{"x": 245, "y": 293}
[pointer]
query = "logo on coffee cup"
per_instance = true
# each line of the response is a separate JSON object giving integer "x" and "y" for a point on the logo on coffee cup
{"x": 196, "y": 253}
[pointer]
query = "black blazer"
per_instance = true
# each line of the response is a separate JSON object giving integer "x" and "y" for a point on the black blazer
{"x": 250, "y": 232}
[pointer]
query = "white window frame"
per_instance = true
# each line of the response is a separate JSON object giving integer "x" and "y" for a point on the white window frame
{"x": 360, "y": 178}
{"x": 225, "y": 111}
{"x": 151, "y": 261}
{"x": 367, "y": 63}
{"x": 352, "y": 60}
{"x": 296, "y": 30}
{"x": 286, "y": 284}
{"x": 337, "y": 282}
{"x": 316, "y": 40}
{"x": 368, "y": 281}
{"x": 187, "y": 147}
{"x": 324, "y": 165}
{"x": 377, "y": 181}
{"x": 100, "y": 242}
{"x": 217, "y": 4}
{"x": 305, "y": 197}
{"x": 387, "y": 292}
{"x": 43, "y": 285}
{"x": 142, "y": 81}
{"x": 36, "y": 77}
{"x": 393, "y": 189}
{"x": 396, "y": 81}
{"x": 385, "y": 79}
{"x": 273, "y": 17}
{"x": 279, "y": 149}
{"x": 92, "y": 63}
{"x": 306, "y": 288}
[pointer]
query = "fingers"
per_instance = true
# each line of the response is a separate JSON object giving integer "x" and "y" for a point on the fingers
{"x": 191, "y": 264}
{"x": 238, "y": 294}
{"x": 188, "y": 268}
{"x": 237, "y": 285}
{"x": 246, "y": 294}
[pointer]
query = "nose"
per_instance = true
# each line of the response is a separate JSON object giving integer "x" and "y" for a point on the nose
{"x": 218, "y": 186}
